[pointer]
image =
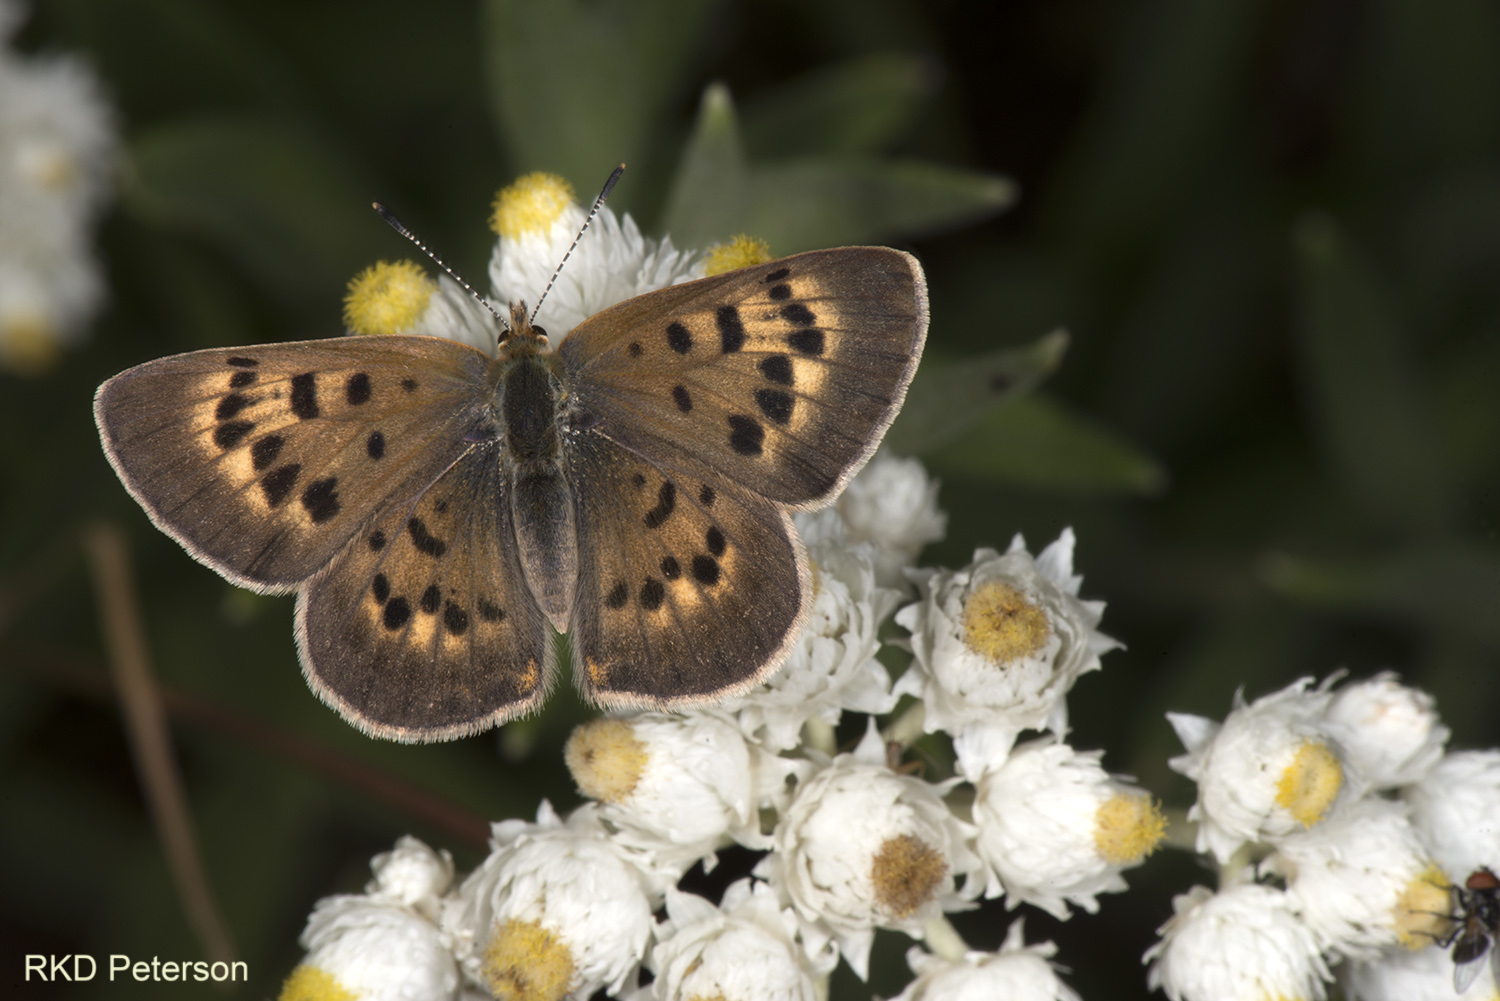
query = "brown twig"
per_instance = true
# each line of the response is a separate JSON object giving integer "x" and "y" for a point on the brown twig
{"x": 146, "y": 728}
{"x": 83, "y": 677}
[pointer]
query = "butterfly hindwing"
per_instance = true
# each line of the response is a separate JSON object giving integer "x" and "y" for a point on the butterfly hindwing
{"x": 690, "y": 586}
{"x": 422, "y": 628}
{"x": 783, "y": 376}
{"x": 263, "y": 461}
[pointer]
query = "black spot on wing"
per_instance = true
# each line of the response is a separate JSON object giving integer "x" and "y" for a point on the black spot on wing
{"x": 705, "y": 570}
{"x": 666, "y": 500}
{"x": 796, "y": 312}
{"x": 775, "y": 404}
{"x": 637, "y": 480}
{"x": 423, "y": 540}
{"x": 432, "y": 599}
{"x": 634, "y": 349}
{"x": 357, "y": 389}
{"x": 226, "y": 436}
{"x": 715, "y": 540}
{"x": 455, "y": 619}
{"x": 618, "y": 595}
{"x": 375, "y": 445}
{"x": 489, "y": 611}
{"x": 279, "y": 482}
{"x": 807, "y": 342}
{"x": 777, "y": 369}
{"x": 377, "y": 541}
{"x": 781, "y": 293}
{"x": 678, "y": 338}
{"x": 731, "y": 330}
{"x": 240, "y": 380}
{"x": 380, "y": 588}
{"x": 230, "y": 406}
{"x": 746, "y": 435}
{"x": 706, "y": 496}
{"x": 409, "y": 384}
{"x": 683, "y": 400}
{"x": 397, "y": 612}
{"x": 653, "y": 593}
{"x": 777, "y": 275}
{"x": 265, "y": 450}
{"x": 305, "y": 396}
{"x": 670, "y": 568}
{"x": 239, "y": 361}
{"x": 321, "y": 499}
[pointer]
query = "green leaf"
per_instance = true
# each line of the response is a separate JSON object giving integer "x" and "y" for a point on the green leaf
{"x": 578, "y": 87}
{"x": 711, "y": 187}
{"x": 270, "y": 195}
{"x": 1361, "y": 386}
{"x": 858, "y": 106}
{"x": 1035, "y": 442}
{"x": 950, "y": 395}
{"x": 1445, "y": 587}
{"x": 835, "y": 201}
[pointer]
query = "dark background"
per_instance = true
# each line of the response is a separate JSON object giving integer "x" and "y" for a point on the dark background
{"x": 1272, "y": 229}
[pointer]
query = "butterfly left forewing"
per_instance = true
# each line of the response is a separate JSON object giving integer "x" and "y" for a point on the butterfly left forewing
{"x": 691, "y": 587}
{"x": 263, "y": 461}
{"x": 782, "y": 376}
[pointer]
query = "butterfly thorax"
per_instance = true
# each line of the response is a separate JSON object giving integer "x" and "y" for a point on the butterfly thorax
{"x": 528, "y": 395}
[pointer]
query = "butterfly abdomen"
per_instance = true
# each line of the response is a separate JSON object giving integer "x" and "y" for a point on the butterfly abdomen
{"x": 541, "y": 501}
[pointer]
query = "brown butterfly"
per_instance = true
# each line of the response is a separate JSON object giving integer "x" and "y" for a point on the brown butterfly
{"x": 442, "y": 513}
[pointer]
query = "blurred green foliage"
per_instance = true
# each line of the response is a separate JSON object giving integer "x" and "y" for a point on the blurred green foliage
{"x": 1272, "y": 231}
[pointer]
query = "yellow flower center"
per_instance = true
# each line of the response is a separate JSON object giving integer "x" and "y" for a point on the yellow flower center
{"x": 387, "y": 298}
{"x": 28, "y": 345}
{"x": 308, "y": 983}
{"x": 906, "y": 872}
{"x": 606, "y": 759}
{"x": 1311, "y": 783}
{"x": 1002, "y": 626}
{"x": 740, "y": 252}
{"x": 1423, "y": 913}
{"x": 525, "y": 962}
{"x": 1127, "y": 827}
{"x": 530, "y": 205}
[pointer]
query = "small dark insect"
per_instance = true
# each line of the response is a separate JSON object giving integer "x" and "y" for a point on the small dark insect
{"x": 1476, "y": 907}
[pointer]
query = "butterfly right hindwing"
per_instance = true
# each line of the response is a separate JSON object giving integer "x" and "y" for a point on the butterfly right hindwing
{"x": 423, "y": 627}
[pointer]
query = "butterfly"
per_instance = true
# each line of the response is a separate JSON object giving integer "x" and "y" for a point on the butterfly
{"x": 443, "y": 514}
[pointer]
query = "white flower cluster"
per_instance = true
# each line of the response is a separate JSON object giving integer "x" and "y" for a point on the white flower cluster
{"x": 1339, "y": 826}
{"x": 57, "y": 157}
{"x": 853, "y": 842}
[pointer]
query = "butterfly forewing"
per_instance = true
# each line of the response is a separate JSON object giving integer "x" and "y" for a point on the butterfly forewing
{"x": 264, "y": 461}
{"x": 690, "y": 586}
{"x": 423, "y": 627}
{"x": 782, "y": 376}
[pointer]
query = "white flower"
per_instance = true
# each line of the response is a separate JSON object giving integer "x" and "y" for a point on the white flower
{"x": 744, "y": 950}
{"x": 556, "y": 910}
{"x": 861, "y": 847}
{"x": 1243, "y": 943}
{"x": 57, "y": 158}
{"x": 1362, "y": 880}
{"x": 1268, "y": 771}
{"x": 892, "y": 503}
{"x": 1390, "y": 733}
{"x": 998, "y": 645}
{"x": 1423, "y": 975}
{"x": 1054, "y": 827}
{"x": 537, "y": 219}
{"x": 367, "y": 949}
{"x": 412, "y": 875}
{"x": 832, "y": 667}
{"x": 674, "y": 785}
{"x": 1016, "y": 972}
{"x": 1456, "y": 808}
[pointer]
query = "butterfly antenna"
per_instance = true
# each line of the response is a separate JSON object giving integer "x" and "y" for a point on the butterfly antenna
{"x": 396, "y": 225}
{"x": 609, "y": 186}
